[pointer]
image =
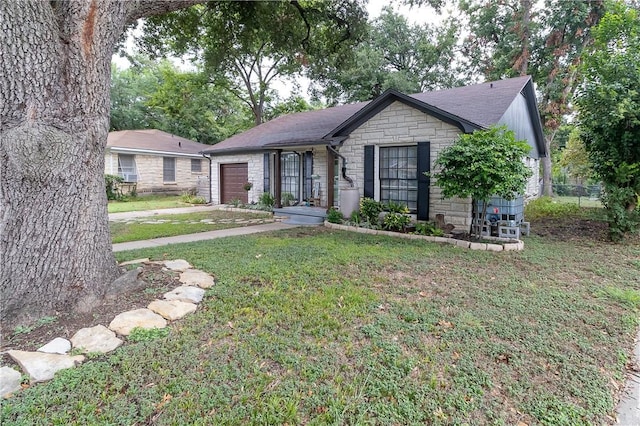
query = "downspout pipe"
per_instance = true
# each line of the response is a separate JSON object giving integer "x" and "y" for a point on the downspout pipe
{"x": 208, "y": 157}
{"x": 344, "y": 166}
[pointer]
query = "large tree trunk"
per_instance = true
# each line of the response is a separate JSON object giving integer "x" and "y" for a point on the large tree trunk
{"x": 55, "y": 247}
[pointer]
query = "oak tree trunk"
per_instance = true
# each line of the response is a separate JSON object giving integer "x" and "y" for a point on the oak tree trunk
{"x": 55, "y": 246}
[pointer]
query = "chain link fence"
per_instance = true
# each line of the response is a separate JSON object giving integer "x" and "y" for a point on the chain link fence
{"x": 583, "y": 195}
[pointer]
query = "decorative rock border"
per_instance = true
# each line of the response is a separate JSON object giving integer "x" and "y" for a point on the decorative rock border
{"x": 501, "y": 244}
{"x": 42, "y": 364}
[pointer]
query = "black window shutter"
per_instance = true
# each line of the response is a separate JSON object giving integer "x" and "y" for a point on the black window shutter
{"x": 307, "y": 171}
{"x": 369, "y": 168}
{"x": 424, "y": 165}
{"x": 267, "y": 173}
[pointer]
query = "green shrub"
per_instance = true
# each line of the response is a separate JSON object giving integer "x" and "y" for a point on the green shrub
{"x": 396, "y": 221}
{"x": 192, "y": 199}
{"x": 545, "y": 207}
{"x": 394, "y": 207}
{"x": 334, "y": 216}
{"x": 236, "y": 202}
{"x": 355, "y": 218}
{"x": 288, "y": 199}
{"x": 111, "y": 183}
{"x": 370, "y": 209}
{"x": 267, "y": 200}
{"x": 429, "y": 229}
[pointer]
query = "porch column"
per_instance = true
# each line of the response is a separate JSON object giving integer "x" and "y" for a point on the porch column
{"x": 331, "y": 160}
{"x": 277, "y": 180}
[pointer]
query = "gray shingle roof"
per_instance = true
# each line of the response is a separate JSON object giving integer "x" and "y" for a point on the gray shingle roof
{"x": 483, "y": 104}
{"x": 154, "y": 140}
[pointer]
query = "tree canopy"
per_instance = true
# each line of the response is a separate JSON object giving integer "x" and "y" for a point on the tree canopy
{"x": 396, "y": 55}
{"x": 609, "y": 114}
{"x": 246, "y": 46}
{"x": 155, "y": 94}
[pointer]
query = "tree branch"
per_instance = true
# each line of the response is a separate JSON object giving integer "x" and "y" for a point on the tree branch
{"x": 143, "y": 8}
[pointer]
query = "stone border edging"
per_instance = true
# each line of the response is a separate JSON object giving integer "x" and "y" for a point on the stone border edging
{"x": 510, "y": 245}
{"x": 42, "y": 364}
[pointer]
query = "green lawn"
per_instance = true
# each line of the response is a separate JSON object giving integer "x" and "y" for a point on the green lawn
{"x": 149, "y": 202}
{"x": 314, "y": 326}
{"x": 157, "y": 226}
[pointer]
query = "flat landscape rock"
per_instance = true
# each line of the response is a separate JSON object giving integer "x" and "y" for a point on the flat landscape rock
{"x": 196, "y": 278}
{"x": 56, "y": 346}
{"x": 10, "y": 381}
{"x": 42, "y": 366}
{"x": 172, "y": 309}
{"x": 96, "y": 339}
{"x": 134, "y": 262}
{"x": 143, "y": 318}
{"x": 179, "y": 265}
{"x": 186, "y": 293}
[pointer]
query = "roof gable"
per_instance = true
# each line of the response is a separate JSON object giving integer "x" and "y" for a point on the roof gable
{"x": 387, "y": 98}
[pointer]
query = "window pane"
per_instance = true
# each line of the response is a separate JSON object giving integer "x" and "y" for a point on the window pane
{"x": 196, "y": 165}
{"x": 399, "y": 176}
{"x": 290, "y": 169}
{"x": 168, "y": 169}
{"x": 127, "y": 168}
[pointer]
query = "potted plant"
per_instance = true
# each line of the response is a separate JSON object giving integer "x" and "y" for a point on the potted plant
{"x": 247, "y": 186}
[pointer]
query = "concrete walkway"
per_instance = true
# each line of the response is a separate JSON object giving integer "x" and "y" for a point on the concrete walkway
{"x": 628, "y": 410}
{"x": 201, "y": 236}
{"x": 177, "y": 210}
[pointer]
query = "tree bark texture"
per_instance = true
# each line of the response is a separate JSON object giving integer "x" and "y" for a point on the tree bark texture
{"x": 55, "y": 246}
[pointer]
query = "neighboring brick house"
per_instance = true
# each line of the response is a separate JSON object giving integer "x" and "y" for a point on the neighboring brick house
{"x": 387, "y": 143}
{"x": 157, "y": 162}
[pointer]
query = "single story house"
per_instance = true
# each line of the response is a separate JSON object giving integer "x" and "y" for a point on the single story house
{"x": 157, "y": 162}
{"x": 381, "y": 147}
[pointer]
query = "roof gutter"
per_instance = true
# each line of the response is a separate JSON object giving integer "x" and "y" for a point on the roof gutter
{"x": 344, "y": 165}
{"x": 210, "y": 162}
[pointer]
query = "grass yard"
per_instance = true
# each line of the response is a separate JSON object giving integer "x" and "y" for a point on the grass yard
{"x": 158, "y": 226}
{"x": 314, "y": 326}
{"x": 148, "y": 202}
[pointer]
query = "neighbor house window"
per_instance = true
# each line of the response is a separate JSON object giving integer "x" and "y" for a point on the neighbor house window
{"x": 127, "y": 168}
{"x": 168, "y": 169}
{"x": 399, "y": 175}
{"x": 196, "y": 165}
{"x": 290, "y": 169}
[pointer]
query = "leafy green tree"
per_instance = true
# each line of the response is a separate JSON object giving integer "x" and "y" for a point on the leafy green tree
{"x": 609, "y": 114}
{"x": 575, "y": 159}
{"x": 483, "y": 164}
{"x": 246, "y": 46}
{"x": 397, "y": 55}
{"x": 155, "y": 94}
{"x": 515, "y": 37}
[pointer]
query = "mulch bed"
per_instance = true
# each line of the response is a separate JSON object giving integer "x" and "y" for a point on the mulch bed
{"x": 65, "y": 325}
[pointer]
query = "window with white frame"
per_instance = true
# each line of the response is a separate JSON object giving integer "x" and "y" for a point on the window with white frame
{"x": 196, "y": 165}
{"x": 399, "y": 175}
{"x": 127, "y": 168}
{"x": 168, "y": 169}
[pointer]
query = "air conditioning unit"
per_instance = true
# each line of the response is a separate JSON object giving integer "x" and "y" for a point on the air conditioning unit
{"x": 129, "y": 177}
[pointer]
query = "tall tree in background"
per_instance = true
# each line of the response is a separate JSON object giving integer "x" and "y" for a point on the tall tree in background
{"x": 511, "y": 38}
{"x": 397, "y": 55}
{"x": 55, "y": 56}
{"x": 246, "y": 46}
{"x": 609, "y": 115}
{"x": 157, "y": 95}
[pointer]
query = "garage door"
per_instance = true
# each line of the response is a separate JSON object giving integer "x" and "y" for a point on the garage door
{"x": 232, "y": 179}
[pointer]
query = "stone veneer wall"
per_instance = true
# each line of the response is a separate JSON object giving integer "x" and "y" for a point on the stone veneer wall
{"x": 255, "y": 174}
{"x": 398, "y": 125}
{"x": 150, "y": 176}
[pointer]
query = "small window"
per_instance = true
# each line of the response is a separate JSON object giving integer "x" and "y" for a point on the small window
{"x": 127, "y": 168}
{"x": 168, "y": 169}
{"x": 196, "y": 166}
